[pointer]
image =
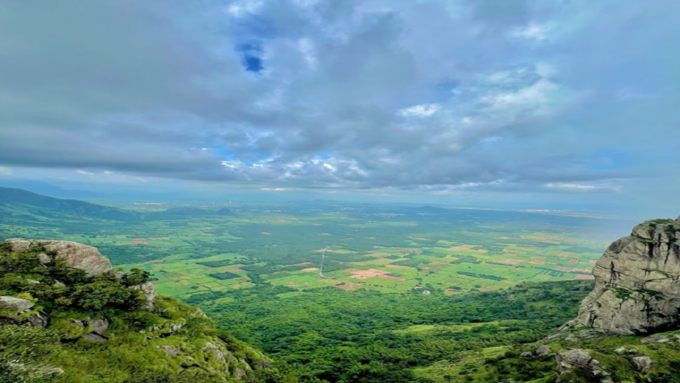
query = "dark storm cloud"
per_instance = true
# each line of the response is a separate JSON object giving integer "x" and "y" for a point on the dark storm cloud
{"x": 439, "y": 96}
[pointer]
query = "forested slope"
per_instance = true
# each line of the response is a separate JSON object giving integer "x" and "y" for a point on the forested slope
{"x": 65, "y": 318}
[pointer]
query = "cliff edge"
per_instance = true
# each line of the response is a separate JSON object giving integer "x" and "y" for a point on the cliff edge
{"x": 637, "y": 283}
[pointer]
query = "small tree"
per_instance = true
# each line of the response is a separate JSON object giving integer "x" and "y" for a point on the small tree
{"x": 136, "y": 277}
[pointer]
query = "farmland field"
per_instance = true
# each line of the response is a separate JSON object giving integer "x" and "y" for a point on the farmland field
{"x": 391, "y": 249}
{"x": 443, "y": 251}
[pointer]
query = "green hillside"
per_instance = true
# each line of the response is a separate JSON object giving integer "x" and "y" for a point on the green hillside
{"x": 18, "y": 204}
{"x": 57, "y": 324}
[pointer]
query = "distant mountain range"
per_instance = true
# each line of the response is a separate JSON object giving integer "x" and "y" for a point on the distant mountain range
{"x": 49, "y": 190}
{"x": 15, "y": 202}
{"x": 18, "y": 203}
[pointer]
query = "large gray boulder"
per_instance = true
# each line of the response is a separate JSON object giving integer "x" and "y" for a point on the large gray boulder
{"x": 76, "y": 255}
{"x": 10, "y": 303}
{"x": 636, "y": 282}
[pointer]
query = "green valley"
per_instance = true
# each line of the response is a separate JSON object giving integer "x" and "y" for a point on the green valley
{"x": 403, "y": 289}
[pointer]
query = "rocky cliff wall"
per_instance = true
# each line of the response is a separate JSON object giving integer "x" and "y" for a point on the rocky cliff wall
{"x": 637, "y": 282}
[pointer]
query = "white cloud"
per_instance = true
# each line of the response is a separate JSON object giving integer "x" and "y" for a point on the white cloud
{"x": 84, "y": 172}
{"x": 422, "y": 110}
{"x": 5, "y": 171}
{"x": 533, "y": 96}
{"x": 545, "y": 70}
{"x": 278, "y": 189}
{"x": 580, "y": 187}
{"x": 308, "y": 52}
{"x": 232, "y": 164}
{"x": 538, "y": 32}
{"x": 243, "y": 7}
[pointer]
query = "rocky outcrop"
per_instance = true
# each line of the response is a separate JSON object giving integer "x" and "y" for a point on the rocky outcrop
{"x": 569, "y": 361}
{"x": 76, "y": 255}
{"x": 97, "y": 328}
{"x": 149, "y": 293}
{"x": 166, "y": 346}
{"x": 637, "y": 288}
{"x": 10, "y": 303}
{"x": 642, "y": 363}
{"x": 14, "y": 310}
{"x": 543, "y": 351}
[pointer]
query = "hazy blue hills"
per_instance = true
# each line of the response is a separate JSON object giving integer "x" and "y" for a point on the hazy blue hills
{"x": 20, "y": 203}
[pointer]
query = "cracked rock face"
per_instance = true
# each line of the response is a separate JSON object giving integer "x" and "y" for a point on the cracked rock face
{"x": 637, "y": 282}
{"x": 76, "y": 255}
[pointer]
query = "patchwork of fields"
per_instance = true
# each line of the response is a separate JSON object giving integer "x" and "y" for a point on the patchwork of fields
{"x": 385, "y": 248}
{"x": 389, "y": 249}
{"x": 445, "y": 266}
{"x": 444, "y": 260}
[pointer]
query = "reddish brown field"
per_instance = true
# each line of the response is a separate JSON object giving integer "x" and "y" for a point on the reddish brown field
{"x": 438, "y": 263}
{"x": 139, "y": 241}
{"x": 372, "y": 273}
{"x": 348, "y": 286}
{"x": 584, "y": 277}
{"x": 398, "y": 267}
{"x": 310, "y": 269}
{"x": 393, "y": 278}
{"x": 467, "y": 248}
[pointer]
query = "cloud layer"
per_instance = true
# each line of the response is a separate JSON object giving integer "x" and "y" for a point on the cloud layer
{"x": 436, "y": 96}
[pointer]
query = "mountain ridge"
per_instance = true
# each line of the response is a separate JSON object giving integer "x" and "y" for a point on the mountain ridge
{"x": 42, "y": 205}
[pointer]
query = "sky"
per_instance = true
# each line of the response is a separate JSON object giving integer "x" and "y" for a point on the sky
{"x": 560, "y": 104}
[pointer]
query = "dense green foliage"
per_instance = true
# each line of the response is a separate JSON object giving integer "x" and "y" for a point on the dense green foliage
{"x": 132, "y": 351}
{"x": 225, "y": 275}
{"x": 368, "y": 336}
{"x": 504, "y": 364}
{"x": 59, "y": 288}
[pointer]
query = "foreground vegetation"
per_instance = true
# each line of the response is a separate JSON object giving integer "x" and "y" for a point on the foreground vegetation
{"x": 368, "y": 336}
{"x": 133, "y": 344}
